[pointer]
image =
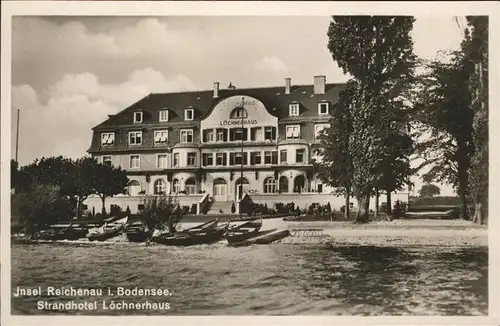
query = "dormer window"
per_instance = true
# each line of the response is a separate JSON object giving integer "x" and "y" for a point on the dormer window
{"x": 188, "y": 114}
{"x": 107, "y": 138}
{"x": 138, "y": 117}
{"x": 323, "y": 108}
{"x": 163, "y": 116}
{"x": 294, "y": 110}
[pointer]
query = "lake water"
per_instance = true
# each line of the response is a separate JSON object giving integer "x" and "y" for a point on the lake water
{"x": 276, "y": 279}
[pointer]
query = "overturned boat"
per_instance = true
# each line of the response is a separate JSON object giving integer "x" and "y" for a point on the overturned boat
{"x": 244, "y": 231}
{"x": 206, "y": 233}
{"x": 108, "y": 230}
{"x": 263, "y": 237}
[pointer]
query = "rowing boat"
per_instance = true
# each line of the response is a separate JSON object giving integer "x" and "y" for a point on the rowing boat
{"x": 244, "y": 231}
{"x": 192, "y": 238}
{"x": 107, "y": 231}
{"x": 263, "y": 237}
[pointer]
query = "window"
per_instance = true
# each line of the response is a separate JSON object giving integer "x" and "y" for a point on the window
{"x": 188, "y": 114}
{"x": 190, "y": 186}
{"x": 238, "y": 113}
{"x": 191, "y": 159}
{"x": 161, "y": 161}
{"x": 283, "y": 156}
{"x": 186, "y": 135}
{"x": 163, "y": 115}
{"x": 294, "y": 110}
{"x": 318, "y": 128}
{"x": 293, "y": 132}
{"x": 270, "y": 133}
{"x": 176, "y": 160}
{"x": 176, "y": 186}
{"x": 159, "y": 187}
{"x": 134, "y": 161}
{"x": 161, "y": 136}
{"x": 269, "y": 185}
{"x": 271, "y": 157}
{"x": 208, "y": 159}
{"x": 256, "y": 134}
{"x": 138, "y": 117}
{"x": 238, "y": 158}
{"x": 238, "y": 134}
{"x": 135, "y": 138}
{"x": 106, "y": 160}
{"x": 220, "y": 159}
{"x": 255, "y": 158}
{"x": 208, "y": 135}
{"x": 108, "y": 138}
{"x": 300, "y": 155}
{"x": 322, "y": 108}
{"x": 221, "y": 135}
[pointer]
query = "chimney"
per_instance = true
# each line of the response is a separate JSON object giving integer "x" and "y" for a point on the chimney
{"x": 319, "y": 84}
{"x": 216, "y": 89}
{"x": 288, "y": 85}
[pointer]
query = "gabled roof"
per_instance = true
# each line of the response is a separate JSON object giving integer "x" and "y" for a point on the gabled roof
{"x": 274, "y": 99}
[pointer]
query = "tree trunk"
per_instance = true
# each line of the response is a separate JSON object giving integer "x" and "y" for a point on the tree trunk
{"x": 463, "y": 178}
{"x": 103, "y": 210}
{"x": 389, "y": 203}
{"x": 363, "y": 209}
{"x": 478, "y": 213}
{"x": 347, "y": 205}
{"x": 376, "y": 203}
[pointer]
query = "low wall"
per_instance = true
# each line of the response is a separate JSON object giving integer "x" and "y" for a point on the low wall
{"x": 304, "y": 200}
{"x": 133, "y": 202}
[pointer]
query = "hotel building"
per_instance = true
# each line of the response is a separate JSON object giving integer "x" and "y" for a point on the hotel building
{"x": 221, "y": 144}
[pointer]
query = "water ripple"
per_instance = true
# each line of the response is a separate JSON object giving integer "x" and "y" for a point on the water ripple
{"x": 263, "y": 280}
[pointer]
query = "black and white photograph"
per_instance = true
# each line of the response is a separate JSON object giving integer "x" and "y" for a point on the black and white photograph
{"x": 185, "y": 164}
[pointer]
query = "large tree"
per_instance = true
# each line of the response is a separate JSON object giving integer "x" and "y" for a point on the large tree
{"x": 335, "y": 164}
{"x": 475, "y": 48}
{"x": 53, "y": 170}
{"x": 377, "y": 51}
{"x": 80, "y": 183}
{"x": 442, "y": 106}
{"x": 429, "y": 190}
{"x": 107, "y": 181}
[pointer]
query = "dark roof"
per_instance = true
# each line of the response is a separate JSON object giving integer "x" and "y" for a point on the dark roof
{"x": 274, "y": 99}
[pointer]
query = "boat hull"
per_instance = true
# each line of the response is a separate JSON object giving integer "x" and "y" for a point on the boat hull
{"x": 263, "y": 237}
{"x": 184, "y": 240}
{"x": 106, "y": 235}
{"x": 140, "y": 236}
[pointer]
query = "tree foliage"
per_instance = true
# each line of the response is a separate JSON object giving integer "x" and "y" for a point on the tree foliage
{"x": 335, "y": 167}
{"x": 475, "y": 47}
{"x": 442, "y": 106}
{"x": 41, "y": 206}
{"x": 377, "y": 51}
{"x": 429, "y": 190}
{"x": 71, "y": 181}
{"x": 107, "y": 181}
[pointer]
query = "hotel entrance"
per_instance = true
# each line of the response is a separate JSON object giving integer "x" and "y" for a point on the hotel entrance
{"x": 241, "y": 183}
{"x": 220, "y": 190}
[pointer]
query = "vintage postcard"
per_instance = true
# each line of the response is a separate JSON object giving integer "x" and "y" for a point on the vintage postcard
{"x": 257, "y": 163}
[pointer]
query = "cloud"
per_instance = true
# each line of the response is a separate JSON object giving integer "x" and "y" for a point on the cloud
{"x": 76, "y": 103}
{"x": 269, "y": 64}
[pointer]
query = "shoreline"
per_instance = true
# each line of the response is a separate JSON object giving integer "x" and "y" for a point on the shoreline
{"x": 397, "y": 233}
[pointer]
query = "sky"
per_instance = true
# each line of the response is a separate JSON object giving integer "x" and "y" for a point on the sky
{"x": 70, "y": 72}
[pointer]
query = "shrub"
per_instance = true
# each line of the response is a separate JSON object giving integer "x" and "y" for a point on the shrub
{"x": 41, "y": 206}
{"x": 158, "y": 210}
{"x": 193, "y": 209}
{"x": 115, "y": 210}
{"x": 233, "y": 208}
